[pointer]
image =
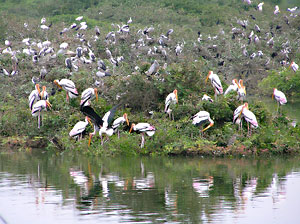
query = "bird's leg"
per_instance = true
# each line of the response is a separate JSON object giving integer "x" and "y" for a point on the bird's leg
{"x": 172, "y": 116}
{"x": 248, "y": 128}
{"x": 101, "y": 139}
{"x": 39, "y": 119}
{"x": 118, "y": 133}
{"x": 67, "y": 97}
{"x": 215, "y": 94}
{"x": 143, "y": 141}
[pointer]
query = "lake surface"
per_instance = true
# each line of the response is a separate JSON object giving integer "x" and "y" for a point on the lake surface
{"x": 46, "y": 188}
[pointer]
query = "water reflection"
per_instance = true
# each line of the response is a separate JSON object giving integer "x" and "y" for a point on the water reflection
{"x": 200, "y": 190}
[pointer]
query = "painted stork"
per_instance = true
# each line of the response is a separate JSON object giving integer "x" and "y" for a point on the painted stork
{"x": 200, "y": 118}
{"x": 79, "y": 128}
{"x": 143, "y": 128}
{"x": 118, "y": 122}
{"x": 69, "y": 86}
{"x": 34, "y": 96}
{"x": 232, "y": 87}
{"x": 249, "y": 118}
{"x": 279, "y": 97}
{"x": 216, "y": 83}
{"x": 87, "y": 95}
{"x": 241, "y": 91}
{"x": 95, "y": 119}
{"x": 107, "y": 121}
{"x": 44, "y": 94}
{"x": 237, "y": 115}
{"x": 37, "y": 109}
{"x": 171, "y": 99}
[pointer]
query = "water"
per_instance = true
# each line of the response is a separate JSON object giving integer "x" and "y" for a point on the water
{"x": 46, "y": 188}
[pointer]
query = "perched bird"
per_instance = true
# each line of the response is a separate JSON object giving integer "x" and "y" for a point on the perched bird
{"x": 43, "y": 72}
{"x": 95, "y": 119}
{"x": 259, "y": 6}
{"x": 249, "y": 118}
{"x": 216, "y": 83}
{"x": 101, "y": 65}
{"x": 241, "y": 91}
{"x": 34, "y": 96}
{"x": 153, "y": 68}
{"x": 200, "y": 118}
{"x": 79, "y": 18}
{"x": 207, "y": 98}
{"x": 68, "y": 63}
{"x": 44, "y": 94}
{"x": 276, "y": 11}
{"x": 171, "y": 99}
{"x": 37, "y": 109}
{"x": 232, "y": 87}
{"x": 279, "y": 97}
{"x": 294, "y": 66}
{"x": 102, "y": 74}
{"x": 107, "y": 122}
{"x": 68, "y": 86}
{"x": 118, "y": 122}
{"x": 237, "y": 115}
{"x": 87, "y": 95}
{"x": 79, "y": 128}
{"x": 143, "y": 128}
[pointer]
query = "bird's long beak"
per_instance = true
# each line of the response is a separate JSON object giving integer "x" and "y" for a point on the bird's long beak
{"x": 272, "y": 96}
{"x": 43, "y": 92}
{"x": 90, "y": 139}
{"x": 131, "y": 128}
{"x": 291, "y": 64}
{"x": 125, "y": 116}
{"x": 48, "y": 104}
{"x": 96, "y": 93}
{"x": 207, "y": 77}
{"x": 89, "y": 120}
{"x": 37, "y": 86}
{"x": 175, "y": 91}
{"x": 56, "y": 83}
{"x": 210, "y": 125}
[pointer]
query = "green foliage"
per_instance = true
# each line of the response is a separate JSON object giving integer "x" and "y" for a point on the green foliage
{"x": 286, "y": 81}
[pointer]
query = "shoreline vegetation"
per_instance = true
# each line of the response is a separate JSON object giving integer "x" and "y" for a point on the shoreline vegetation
{"x": 184, "y": 66}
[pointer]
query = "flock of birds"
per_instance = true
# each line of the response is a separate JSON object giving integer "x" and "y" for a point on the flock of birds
{"x": 38, "y": 102}
{"x": 84, "y": 55}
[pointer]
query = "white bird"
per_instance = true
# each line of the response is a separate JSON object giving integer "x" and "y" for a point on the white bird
{"x": 250, "y": 118}
{"x": 241, "y": 91}
{"x": 200, "y": 118}
{"x": 63, "y": 45}
{"x": 276, "y": 11}
{"x": 87, "y": 95}
{"x": 44, "y": 27}
{"x": 232, "y": 87}
{"x": 44, "y": 94}
{"x": 118, "y": 122}
{"x": 171, "y": 99}
{"x": 79, "y": 18}
{"x": 102, "y": 74}
{"x": 79, "y": 128}
{"x": 216, "y": 83}
{"x": 129, "y": 21}
{"x": 34, "y": 96}
{"x": 259, "y": 6}
{"x": 237, "y": 115}
{"x": 294, "y": 66}
{"x": 279, "y": 97}
{"x": 68, "y": 86}
{"x": 207, "y": 98}
{"x": 143, "y": 128}
{"x": 7, "y": 43}
{"x": 153, "y": 68}
{"x": 37, "y": 109}
{"x": 43, "y": 20}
